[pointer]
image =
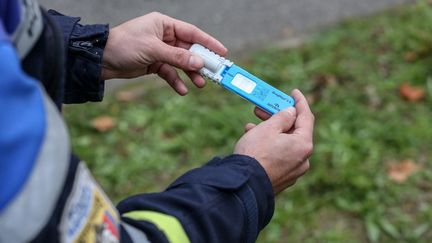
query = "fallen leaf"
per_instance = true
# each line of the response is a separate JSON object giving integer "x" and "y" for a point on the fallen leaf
{"x": 411, "y": 56}
{"x": 324, "y": 80}
{"x": 400, "y": 171}
{"x": 378, "y": 31}
{"x": 131, "y": 94}
{"x": 311, "y": 99}
{"x": 420, "y": 53}
{"x": 411, "y": 93}
{"x": 125, "y": 96}
{"x": 103, "y": 123}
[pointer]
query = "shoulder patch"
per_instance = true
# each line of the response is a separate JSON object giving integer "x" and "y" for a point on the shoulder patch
{"x": 89, "y": 215}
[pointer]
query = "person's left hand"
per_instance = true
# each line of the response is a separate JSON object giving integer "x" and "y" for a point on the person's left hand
{"x": 156, "y": 43}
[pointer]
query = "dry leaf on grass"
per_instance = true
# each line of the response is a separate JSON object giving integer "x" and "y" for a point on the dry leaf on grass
{"x": 103, "y": 123}
{"x": 324, "y": 80}
{"x": 131, "y": 94}
{"x": 310, "y": 99}
{"x": 125, "y": 96}
{"x": 400, "y": 171}
{"x": 411, "y": 93}
{"x": 411, "y": 56}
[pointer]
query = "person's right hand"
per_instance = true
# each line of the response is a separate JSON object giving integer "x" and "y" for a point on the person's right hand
{"x": 282, "y": 144}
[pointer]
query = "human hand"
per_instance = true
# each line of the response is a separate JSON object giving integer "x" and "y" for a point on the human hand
{"x": 156, "y": 43}
{"x": 282, "y": 144}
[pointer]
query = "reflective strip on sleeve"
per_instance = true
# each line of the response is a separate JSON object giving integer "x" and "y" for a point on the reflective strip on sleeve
{"x": 166, "y": 223}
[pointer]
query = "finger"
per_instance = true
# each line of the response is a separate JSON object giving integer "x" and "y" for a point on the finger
{"x": 284, "y": 186}
{"x": 177, "y": 57}
{"x": 183, "y": 44}
{"x": 261, "y": 114}
{"x": 190, "y": 33}
{"x": 283, "y": 120}
{"x": 305, "y": 119}
{"x": 294, "y": 175}
{"x": 171, "y": 76}
{"x": 248, "y": 127}
{"x": 196, "y": 78}
{"x": 302, "y": 169}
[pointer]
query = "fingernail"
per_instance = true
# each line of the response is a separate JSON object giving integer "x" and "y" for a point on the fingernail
{"x": 196, "y": 62}
{"x": 182, "y": 90}
{"x": 296, "y": 91}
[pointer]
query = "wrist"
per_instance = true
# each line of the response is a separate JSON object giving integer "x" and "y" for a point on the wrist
{"x": 85, "y": 48}
{"x": 107, "y": 71}
{"x": 106, "y": 74}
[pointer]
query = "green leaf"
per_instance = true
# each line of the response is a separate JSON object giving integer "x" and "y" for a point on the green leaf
{"x": 419, "y": 231}
{"x": 389, "y": 228}
{"x": 373, "y": 230}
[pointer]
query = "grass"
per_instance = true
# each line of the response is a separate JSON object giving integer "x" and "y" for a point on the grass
{"x": 351, "y": 74}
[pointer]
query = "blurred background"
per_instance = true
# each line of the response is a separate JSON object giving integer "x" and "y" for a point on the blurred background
{"x": 365, "y": 67}
{"x": 238, "y": 24}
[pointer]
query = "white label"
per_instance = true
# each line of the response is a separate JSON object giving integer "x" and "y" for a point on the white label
{"x": 243, "y": 83}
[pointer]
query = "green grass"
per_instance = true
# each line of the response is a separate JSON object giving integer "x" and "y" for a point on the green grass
{"x": 351, "y": 73}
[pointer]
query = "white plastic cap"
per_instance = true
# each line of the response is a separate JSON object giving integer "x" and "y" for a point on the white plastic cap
{"x": 213, "y": 63}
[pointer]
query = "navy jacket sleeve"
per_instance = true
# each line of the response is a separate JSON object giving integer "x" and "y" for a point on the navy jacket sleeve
{"x": 227, "y": 200}
{"x": 85, "y": 45}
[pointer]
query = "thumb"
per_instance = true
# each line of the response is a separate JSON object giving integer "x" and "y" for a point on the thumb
{"x": 178, "y": 57}
{"x": 283, "y": 120}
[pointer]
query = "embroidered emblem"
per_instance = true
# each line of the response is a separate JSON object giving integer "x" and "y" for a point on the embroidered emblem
{"x": 88, "y": 216}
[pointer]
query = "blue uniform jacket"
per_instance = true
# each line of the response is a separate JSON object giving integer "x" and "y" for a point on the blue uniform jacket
{"x": 48, "y": 195}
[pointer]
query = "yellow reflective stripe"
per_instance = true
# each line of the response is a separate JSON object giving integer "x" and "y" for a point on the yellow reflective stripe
{"x": 166, "y": 223}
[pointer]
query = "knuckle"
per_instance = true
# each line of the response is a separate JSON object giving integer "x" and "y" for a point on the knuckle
{"x": 156, "y": 14}
{"x": 181, "y": 57}
{"x": 305, "y": 166}
{"x": 304, "y": 151}
{"x": 272, "y": 126}
{"x": 288, "y": 113}
{"x": 308, "y": 148}
{"x": 312, "y": 117}
{"x": 159, "y": 16}
{"x": 193, "y": 27}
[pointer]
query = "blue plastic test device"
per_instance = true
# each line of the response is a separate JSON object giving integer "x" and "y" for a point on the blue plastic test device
{"x": 232, "y": 77}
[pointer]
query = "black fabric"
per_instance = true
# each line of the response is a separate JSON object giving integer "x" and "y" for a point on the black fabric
{"x": 85, "y": 45}
{"x": 67, "y": 59}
